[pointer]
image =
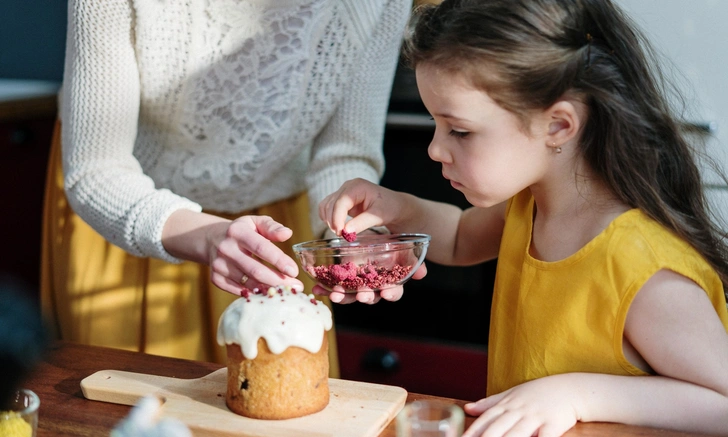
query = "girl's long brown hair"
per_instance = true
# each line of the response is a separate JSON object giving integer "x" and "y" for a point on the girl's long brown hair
{"x": 528, "y": 54}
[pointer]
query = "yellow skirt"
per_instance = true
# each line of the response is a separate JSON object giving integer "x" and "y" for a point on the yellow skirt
{"x": 95, "y": 293}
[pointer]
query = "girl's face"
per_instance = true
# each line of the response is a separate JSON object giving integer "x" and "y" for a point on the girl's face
{"x": 483, "y": 150}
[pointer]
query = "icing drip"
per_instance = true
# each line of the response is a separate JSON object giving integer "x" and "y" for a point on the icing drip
{"x": 283, "y": 317}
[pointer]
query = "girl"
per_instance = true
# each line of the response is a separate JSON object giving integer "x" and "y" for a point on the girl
{"x": 609, "y": 298}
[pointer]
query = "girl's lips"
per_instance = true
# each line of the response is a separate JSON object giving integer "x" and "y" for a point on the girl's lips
{"x": 452, "y": 182}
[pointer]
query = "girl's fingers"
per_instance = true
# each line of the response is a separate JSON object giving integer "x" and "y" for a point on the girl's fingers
{"x": 498, "y": 425}
{"x": 479, "y": 407}
{"x": 340, "y": 212}
{"x": 334, "y": 296}
{"x": 421, "y": 272}
{"x": 363, "y": 221}
{"x": 392, "y": 294}
{"x": 368, "y": 297}
{"x": 342, "y": 298}
{"x": 524, "y": 427}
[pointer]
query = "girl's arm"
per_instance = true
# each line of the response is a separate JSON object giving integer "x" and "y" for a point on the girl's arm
{"x": 458, "y": 237}
{"x": 674, "y": 328}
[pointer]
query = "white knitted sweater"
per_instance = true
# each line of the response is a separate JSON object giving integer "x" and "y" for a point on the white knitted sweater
{"x": 222, "y": 105}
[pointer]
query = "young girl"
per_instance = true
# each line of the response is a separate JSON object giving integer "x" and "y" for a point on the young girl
{"x": 609, "y": 299}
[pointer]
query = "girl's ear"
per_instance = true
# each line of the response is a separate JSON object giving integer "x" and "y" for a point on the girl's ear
{"x": 564, "y": 120}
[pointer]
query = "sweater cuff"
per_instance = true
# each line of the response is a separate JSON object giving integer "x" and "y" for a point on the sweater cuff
{"x": 150, "y": 226}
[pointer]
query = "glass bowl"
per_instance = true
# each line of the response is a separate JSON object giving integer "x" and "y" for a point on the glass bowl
{"x": 371, "y": 262}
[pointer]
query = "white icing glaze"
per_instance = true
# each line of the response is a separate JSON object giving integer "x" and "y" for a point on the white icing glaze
{"x": 283, "y": 318}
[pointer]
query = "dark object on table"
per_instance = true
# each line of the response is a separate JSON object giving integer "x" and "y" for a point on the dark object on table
{"x": 23, "y": 336}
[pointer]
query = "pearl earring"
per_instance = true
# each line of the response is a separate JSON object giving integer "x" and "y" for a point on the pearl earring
{"x": 557, "y": 148}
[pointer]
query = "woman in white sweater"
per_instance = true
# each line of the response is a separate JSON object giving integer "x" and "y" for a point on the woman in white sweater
{"x": 183, "y": 124}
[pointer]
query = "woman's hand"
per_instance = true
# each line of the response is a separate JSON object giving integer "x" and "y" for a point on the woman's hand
{"x": 546, "y": 407}
{"x": 240, "y": 253}
{"x": 245, "y": 255}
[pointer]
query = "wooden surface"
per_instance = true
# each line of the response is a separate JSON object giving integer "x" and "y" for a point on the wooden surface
{"x": 356, "y": 409}
{"x": 65, "y": 412}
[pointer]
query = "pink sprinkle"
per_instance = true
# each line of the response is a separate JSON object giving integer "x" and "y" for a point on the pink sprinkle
{"x": 348, "y": 236}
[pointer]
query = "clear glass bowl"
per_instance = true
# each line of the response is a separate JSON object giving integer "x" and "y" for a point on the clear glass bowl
{"x": 371, "y": 262}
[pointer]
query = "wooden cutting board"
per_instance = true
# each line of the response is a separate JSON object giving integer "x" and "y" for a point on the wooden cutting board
{"x": 356, "y": 409}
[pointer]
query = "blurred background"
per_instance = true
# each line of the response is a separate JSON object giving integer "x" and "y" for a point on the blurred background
{"x": 443, "y": 319}
{"x": 32, "y": 39}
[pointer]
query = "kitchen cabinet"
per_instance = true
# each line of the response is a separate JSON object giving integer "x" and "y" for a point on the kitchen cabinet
{"x": 27, "y": 116}
{"x": 420, "y": 365}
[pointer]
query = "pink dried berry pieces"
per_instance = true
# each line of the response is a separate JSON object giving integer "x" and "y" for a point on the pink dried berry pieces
{"x": 348, "y": 236}
{"x": 357, "y": 277}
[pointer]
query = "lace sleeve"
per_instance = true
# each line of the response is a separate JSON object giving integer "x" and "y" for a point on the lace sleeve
{"x": 99, "y": 113}
{"x": 350, "y": 145}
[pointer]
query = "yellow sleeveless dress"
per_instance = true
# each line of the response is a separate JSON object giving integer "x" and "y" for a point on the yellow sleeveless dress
{"x": 95, "y": 293}
{"x": 568, "y": 316}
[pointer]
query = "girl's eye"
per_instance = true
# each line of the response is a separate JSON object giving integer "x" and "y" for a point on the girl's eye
{"x": 458, "y": 134}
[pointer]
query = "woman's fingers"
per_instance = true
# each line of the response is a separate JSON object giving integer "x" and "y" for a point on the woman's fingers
{"x": 250, "y": 274}
{"x": 247, "y": 257}
{"x": 258, "y": 242}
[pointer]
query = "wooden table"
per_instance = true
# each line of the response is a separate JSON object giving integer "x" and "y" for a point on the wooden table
{"x": 65, "y": 412}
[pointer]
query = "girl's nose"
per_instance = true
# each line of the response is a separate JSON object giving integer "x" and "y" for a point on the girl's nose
{"x": 436, "y": 150}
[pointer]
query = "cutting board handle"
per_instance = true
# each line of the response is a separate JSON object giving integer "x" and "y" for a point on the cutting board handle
{"x": 126, "y": 388}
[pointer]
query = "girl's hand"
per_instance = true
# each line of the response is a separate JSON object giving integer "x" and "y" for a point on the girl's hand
{"x": 391, "y": 294}
{"x": 368, "y": 204}
{"x": 546, "y": 407}
{"x": 242, "y": 255}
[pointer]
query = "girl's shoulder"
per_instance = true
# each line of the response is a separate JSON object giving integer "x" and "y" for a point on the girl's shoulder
{"x": 639, "y": 243}
{"x": 635, "y": 230}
